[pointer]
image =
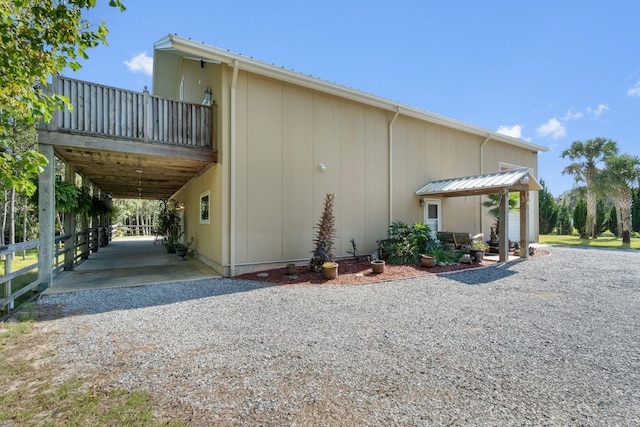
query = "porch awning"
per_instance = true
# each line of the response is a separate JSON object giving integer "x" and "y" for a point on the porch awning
{"x": 512, "y": 180}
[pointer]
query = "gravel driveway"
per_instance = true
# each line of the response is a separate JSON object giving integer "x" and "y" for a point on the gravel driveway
{"x": 548, "y": 341}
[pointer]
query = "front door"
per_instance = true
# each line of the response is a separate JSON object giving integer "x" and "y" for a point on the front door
{"x": 433, "y": 215}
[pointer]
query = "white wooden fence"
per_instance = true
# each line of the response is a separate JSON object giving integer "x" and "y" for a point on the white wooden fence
{"x": 118, "y": 113}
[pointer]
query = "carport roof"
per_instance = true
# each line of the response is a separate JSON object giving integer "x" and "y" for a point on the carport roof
{"x": 489, "y": 183}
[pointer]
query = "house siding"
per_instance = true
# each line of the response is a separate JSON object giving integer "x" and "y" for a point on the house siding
{"x": 283, "y": 132}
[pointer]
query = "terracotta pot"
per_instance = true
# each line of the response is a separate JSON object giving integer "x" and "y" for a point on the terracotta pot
{"x": 476, "y": 255}
{"x": 377, "y": 266}
{"x": 428, "y": 261}
{"x": 290, "y": 270}
{"x": 330, "y": 270}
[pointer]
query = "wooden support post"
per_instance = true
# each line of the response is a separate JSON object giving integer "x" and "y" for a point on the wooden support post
{"x": 524, "y": 224}
{"x": 70, "y": 223}
{"x": 46, "y": 217}
{"x": 84, "y": 226}
{"x": 503, "y": 253}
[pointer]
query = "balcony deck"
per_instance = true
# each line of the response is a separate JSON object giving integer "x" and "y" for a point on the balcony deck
{"x": 111, "y": 134}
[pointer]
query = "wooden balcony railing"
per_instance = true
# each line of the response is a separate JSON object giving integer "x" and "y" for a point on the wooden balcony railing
{"x": 117, "y": 113}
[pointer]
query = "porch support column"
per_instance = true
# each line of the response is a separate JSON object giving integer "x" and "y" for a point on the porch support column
{"x": 524, "y": 215}
{"x": 84, "y": 226}
{"x": 70, "y": 222}
{"x": 503, "y": 253}
{"x": 46, "y": 217}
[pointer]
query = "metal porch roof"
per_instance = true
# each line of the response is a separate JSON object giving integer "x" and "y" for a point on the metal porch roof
{"x": 489, "y": 183}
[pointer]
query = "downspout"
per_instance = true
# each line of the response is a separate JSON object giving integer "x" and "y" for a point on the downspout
{"x": 391, "y": 164}
{"x": 232, "y": 171}
{"x": 481, "y": 172}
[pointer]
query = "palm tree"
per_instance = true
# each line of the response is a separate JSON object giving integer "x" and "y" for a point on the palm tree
{"x": 494, "y": 206}
{"x": 619, "y": 176}
{"x": 586, "y": 157}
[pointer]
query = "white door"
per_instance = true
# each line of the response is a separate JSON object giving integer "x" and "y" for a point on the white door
{"x": 433, "y": 215}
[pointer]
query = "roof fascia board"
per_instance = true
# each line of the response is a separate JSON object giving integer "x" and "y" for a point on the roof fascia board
{"x": 182, "y": 45}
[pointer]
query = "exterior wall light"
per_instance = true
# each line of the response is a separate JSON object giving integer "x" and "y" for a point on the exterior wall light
{"x": 322, "y": 167}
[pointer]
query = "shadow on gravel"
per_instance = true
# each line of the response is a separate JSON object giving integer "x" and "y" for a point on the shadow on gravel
{"x": 486, "y": 275}
{"x": 105, "y": 300}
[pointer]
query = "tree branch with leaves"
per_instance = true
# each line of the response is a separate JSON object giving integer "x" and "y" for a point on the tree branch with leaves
{"x": 38, "y": 39}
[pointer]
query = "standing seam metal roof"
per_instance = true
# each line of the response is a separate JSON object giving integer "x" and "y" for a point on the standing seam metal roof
{"x": 479, "y": 183}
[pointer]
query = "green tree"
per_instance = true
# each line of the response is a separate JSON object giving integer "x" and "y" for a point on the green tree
{"x": 601, "y": 216}
{"x": 580, "y": 218}
{"x": 586, "y": 157}
{"x": 564, "y": 220}
{"x": 621, "y": 173}
{"x": 38, "y": 38}
{"x": 612, "y": 220}
{"x": 548, "y": 210}
{"x": 635, "y": 211}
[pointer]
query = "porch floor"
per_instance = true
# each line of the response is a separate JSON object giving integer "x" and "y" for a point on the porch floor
{"x": 129, "y": 262}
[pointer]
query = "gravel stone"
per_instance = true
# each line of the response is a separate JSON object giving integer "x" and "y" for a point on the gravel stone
{"x": 548, "y": 341}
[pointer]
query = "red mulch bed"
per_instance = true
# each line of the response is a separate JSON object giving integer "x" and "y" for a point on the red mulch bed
{"x": 351, "y": 272}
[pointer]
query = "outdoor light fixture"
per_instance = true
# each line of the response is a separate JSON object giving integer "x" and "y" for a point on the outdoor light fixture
{"x": 322, "y": 167}
{"x": 207, "y": 97}
{"x": 139, "y": 172}
{"x": 422, "y": 203}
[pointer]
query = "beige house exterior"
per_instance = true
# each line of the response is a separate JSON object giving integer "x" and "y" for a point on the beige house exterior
{"x": 285, "y": 140}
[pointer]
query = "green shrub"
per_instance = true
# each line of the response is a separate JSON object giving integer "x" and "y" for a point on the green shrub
{"x": 446, "y": 254}
{"x": 580, "y": 218}
{"x": 406, "y": 243}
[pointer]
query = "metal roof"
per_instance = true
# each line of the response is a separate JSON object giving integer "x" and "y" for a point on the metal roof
{"x": 189, "y": 48}
{"x": 489, "y": 183}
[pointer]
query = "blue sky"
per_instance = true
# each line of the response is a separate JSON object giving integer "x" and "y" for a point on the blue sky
{"x": 548, "y": 72}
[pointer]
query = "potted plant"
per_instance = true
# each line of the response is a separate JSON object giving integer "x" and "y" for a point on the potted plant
{"x": 377, "y": 266}
{"x": 330, "y": 270}
{"x": 290, "y": 269}
{"x": 428, "y": 261}
{"x": 169, "y": 224}
{"x": 323, "y": 242}
{"x": 477, "y": 250}
{"x": 182, "y": 249}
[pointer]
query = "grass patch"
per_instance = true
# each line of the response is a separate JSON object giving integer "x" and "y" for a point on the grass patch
{"x": 18, "y": 262}
{"x": 601, "y": 242}
{"x": 32, "y": 397}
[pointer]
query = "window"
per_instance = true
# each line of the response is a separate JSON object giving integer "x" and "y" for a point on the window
{"x": 205, "y": 201}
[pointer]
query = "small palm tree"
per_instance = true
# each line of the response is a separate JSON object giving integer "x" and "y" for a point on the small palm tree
{"x": 620, "y": 175}
{"x": 494, "y": 206}
{"x": 586, "y": 157}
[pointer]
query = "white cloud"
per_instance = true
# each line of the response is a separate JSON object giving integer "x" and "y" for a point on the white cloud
{"x": 634, "y": 90}
{"x": 514, "y": 131}
{"x": 552, "y": 128}
{"x": 140, "y": 63}
{"x": 598, "y": 111}
{"x": 571, "y": 115}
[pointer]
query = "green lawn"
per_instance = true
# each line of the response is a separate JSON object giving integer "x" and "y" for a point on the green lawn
{"x": 20, "y": 282}
{"x": 600, "y": 242}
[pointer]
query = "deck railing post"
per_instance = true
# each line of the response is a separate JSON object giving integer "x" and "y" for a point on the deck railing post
{"x": 146, "y": 115}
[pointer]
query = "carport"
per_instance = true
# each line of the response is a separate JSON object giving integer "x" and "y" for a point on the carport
{"x": 503, "y": 183}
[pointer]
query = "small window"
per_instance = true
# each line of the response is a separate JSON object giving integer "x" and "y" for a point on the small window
{"x": 432, "y": 211}
{"x": 205, "y": 207}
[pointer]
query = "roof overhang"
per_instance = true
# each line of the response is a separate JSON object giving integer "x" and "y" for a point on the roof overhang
{"x": 191, "y": 49}
{"x": 514, "y": 180}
